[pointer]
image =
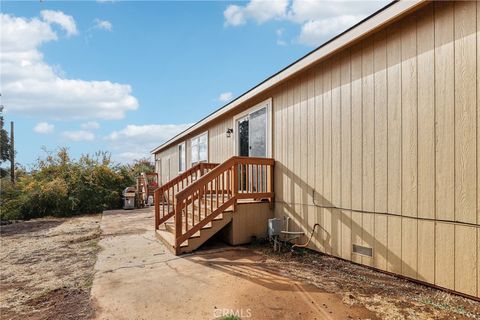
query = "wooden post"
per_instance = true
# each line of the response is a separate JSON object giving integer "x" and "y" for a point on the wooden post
{"x": 156, "y": 200}
{"x": 235, "y": 184}
{"x": 178, "y": 225}
{"x": 12, "y": 153}
{"x": 270, "y": 188}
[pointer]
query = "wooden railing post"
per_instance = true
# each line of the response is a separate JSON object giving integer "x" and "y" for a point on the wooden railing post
{"x": 178, "y": 225}
{"x": 167, "y": 191}
{"x": 156, "y": 198}
{"x": 271, "y": 182}
{"x": 235, "y": 184}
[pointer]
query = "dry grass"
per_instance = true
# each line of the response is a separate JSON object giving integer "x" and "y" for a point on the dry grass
{"x": 388, "y": 296}
{"x": 46, "y": 268}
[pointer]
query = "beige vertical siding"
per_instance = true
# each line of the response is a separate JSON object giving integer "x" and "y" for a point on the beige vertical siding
{"x": 346, "y": 155}
{"x": 395, "y": 124}
{"x": 478, "y": 149}
{"x": 380, "y": 147}
{"x": 169, "y": 163}
{"x": 380, "y": 143}
{"x": 220, "y": 148}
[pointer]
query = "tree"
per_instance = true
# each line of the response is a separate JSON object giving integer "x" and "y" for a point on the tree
{"x": 141, "y": 165}
{"x": 4, "y": 145}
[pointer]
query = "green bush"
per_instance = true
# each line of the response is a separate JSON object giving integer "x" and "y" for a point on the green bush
{"x": 60, "y": 186}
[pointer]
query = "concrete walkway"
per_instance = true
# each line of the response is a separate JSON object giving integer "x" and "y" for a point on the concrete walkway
{"x": 138, "y": 278}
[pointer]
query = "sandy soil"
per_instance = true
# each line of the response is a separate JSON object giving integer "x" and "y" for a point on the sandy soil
{"x": 46, "y": 268}
{"x": 387, "y": 296}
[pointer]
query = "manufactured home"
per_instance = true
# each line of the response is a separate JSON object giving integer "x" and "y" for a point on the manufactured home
{"x": 374, "y": 136}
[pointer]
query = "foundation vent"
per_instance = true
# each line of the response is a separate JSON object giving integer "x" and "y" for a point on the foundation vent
{"x": 364, "y": 251}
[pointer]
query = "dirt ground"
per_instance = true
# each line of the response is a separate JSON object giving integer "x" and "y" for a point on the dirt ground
{"x": 46, "y": 268}
{"x": 111, "y": 266}
{"x": 388, "y": 297}
{"x": 138, "y": 278}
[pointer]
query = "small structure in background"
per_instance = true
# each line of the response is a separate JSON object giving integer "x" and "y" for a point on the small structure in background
{"x": 147, "y": 182}
{"x": 129, "y": 198}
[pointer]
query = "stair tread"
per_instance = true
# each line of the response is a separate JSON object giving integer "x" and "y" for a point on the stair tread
{"x": 171, "y": 225}
{"x": 168, "y": 237}
{"x": 190, "y": 210}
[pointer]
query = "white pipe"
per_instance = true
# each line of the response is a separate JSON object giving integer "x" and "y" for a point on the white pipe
{"x": 293, "y": 232}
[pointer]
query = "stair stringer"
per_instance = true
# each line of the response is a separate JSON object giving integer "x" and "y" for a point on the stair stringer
{"x": 206, "y": 233}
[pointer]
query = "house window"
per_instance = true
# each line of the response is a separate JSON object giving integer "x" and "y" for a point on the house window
{"x": 182, "y": 163}
{"x": 199, "y": 148}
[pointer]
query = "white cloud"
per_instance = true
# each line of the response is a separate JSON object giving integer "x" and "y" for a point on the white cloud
{"x": 79, "y": 135}
{"x": 136, "y": 141}
{"x": 319, "y": 20}
{"x": 225, "y": 96}
{"x": 103, "y": 24}
{"x": 234, "y": 15}
{"x": 257, "y": 10}
{"x": 44, "y": 128}
{"x": 31, "y": 86}
{"x": 316, "y": 32}
{"x": 60, "y": 18}
{"x": 280, "y": 33}
{"x": 90, "y": 125}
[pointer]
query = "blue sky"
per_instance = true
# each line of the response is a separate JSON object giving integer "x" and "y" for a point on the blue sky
{"x": 125, "y": 76}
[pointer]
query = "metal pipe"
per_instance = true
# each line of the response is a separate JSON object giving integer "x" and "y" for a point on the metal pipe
{"x": 309, "y": 239}
{"x": 293, "y": 232}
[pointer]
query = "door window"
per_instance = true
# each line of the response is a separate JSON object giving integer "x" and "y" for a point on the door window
{"x": 243, "y": 145}
{"x": 258, "y": 133}
{"x": 252, "y": 134}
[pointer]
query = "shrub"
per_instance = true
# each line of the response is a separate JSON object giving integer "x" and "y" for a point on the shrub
{"x": 60, "y": 186}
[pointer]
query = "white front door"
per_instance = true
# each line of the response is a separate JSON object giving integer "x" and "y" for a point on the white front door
{"x": 253, "y": 139}
{"x": 252, "y": 135}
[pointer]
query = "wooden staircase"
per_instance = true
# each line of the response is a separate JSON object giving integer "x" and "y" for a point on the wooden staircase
{"x": 195, "y": 205}
{"x": 147, "y": 182}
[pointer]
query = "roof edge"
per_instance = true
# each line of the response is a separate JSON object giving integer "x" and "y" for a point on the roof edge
{"x": 390, "y": 12}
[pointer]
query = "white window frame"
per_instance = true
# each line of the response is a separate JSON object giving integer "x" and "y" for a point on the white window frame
{"x": 184, "y": 148}
{"x": 266, "y": 103}
{"x": 191, "y": 144}
{"x": 158, "y": 167}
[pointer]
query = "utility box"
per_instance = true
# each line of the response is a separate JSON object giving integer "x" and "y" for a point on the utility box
{"x": 129, "y": 198}
{"x": 150, "y": 201}
{"x": 274, "y": 227}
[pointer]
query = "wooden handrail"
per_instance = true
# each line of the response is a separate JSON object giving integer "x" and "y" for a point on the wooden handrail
{"x": 221, "y": 167}
{"x": 220, "y": 188}
{"x": 179, "y": 182}
{"x": 196, "y": 168}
